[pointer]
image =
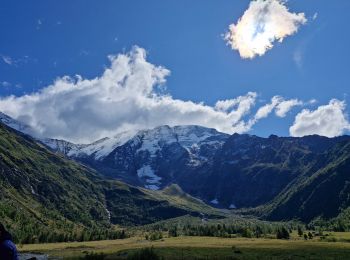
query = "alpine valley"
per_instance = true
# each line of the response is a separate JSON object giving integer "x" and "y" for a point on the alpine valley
{"x": 274, "y": 178}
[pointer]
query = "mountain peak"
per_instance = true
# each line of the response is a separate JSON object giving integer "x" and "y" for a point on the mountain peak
{"x": 17, "y": 125}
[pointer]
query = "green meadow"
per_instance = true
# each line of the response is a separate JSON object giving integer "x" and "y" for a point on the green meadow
{"x": 336, "y": 246}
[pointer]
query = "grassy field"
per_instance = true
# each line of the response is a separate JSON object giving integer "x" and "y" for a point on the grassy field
{"x": 205, "y": 248}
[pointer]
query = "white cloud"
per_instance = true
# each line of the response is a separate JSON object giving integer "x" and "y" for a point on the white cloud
{"x": 298, "y": 58}
{"x": 265, "y": 110}
{"x": 312, "y": 101}
{"x": 327, "y": 120}
{"x": 279, "y": 105}
{"x": 285, "y": 106}
{"x": 39, "y": 23}
{"x": 5, "y": 84}
{"x": 7, "y": 59}
{"x": 124, "y": 97}
{"x": 225, "y": 105}
{"x": 241, "y": 103}
{"x": 263, "y": 23}
{"x": 16, "y": 61}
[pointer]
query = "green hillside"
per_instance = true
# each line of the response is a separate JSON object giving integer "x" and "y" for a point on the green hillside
{"x": 321, "y": 193}
{"x": 46, "y": 197}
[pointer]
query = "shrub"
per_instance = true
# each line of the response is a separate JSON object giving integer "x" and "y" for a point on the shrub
{"x": 300, "y": 231}
{"x": 282, "y": 233}
{"x": 310, "y": 235}
{"x": 247, "y": 233}
{"x": 173, "y": 232}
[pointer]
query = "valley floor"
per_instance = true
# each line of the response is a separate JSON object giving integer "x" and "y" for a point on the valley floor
{"x": 203, "y": 248}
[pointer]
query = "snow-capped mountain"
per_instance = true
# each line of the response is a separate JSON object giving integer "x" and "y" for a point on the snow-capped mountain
{"x": 15, "y": 124}
{"x": 229, "y": 171}
{"x": 96, "y": 150}
{"x": 139, "y": 157}
{"x": 152, "y": 141}
{"x": 150, "y": 158}
{"x": 60, "y": 146}
{"x": 223, "y": 170}
{"x": 161, "y": 155}
{"x": 193, "y": 139}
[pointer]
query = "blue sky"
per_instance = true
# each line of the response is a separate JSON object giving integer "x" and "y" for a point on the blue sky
{"x": 44, "y": 40}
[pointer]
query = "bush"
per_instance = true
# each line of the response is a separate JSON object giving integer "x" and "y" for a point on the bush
{"x": 300, "y": 231}
{"x": 156, "y": 236}
{"x": 282, "y": 233}
{"x": 247, "y": 233}
{"x": 173, "y": 232}
{"x": 310, "y": 235}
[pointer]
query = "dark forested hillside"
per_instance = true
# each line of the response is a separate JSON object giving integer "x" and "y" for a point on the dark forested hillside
{"x": 249, "y": 171}
{"x": 46, "y": 197}
{"x": 323, "y": 192}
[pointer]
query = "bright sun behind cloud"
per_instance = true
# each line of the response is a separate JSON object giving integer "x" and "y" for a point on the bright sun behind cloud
{"x": 263, "y": 23}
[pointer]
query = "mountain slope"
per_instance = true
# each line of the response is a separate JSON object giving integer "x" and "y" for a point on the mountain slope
{"x": 224, "y": 171}
{"x": 43, "y": 192}
{"x": 151, "y": 158}
{"x": 289, "y": 176}
{"x": 15, "y": 124}
{"x": 324, "y": 192}
{"x": 249, "y": 171}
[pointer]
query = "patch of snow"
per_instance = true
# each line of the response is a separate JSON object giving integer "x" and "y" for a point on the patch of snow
{"x": 233, "y": 162}
{"x": 110, "y": 144}
{"x": 108, "y": 214}
{"x": 153, "y": 140}
{"x": 232, "y": 206}
{"x": 214, "y": 201}
{"x": 17, "y": 125}
{"x": 152, "y": 187}
{"x": 214, "y": 142}
{"x": 189, "y": 137}
{"x": 103, "y": 147}
{"x": 52, "y": 143}
{"x": 152, "y": 180}
{"x": 60, "y": 145}
{"x": 32, "y": 190}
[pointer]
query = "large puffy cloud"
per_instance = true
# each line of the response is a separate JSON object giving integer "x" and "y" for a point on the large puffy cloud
{"x": 125, "y": 97}
{"x": 264, "y": 22}
{"x": 327, "y": 120}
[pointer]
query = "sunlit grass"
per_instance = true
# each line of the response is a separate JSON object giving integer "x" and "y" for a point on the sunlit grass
{"x": 241, "y": 248}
